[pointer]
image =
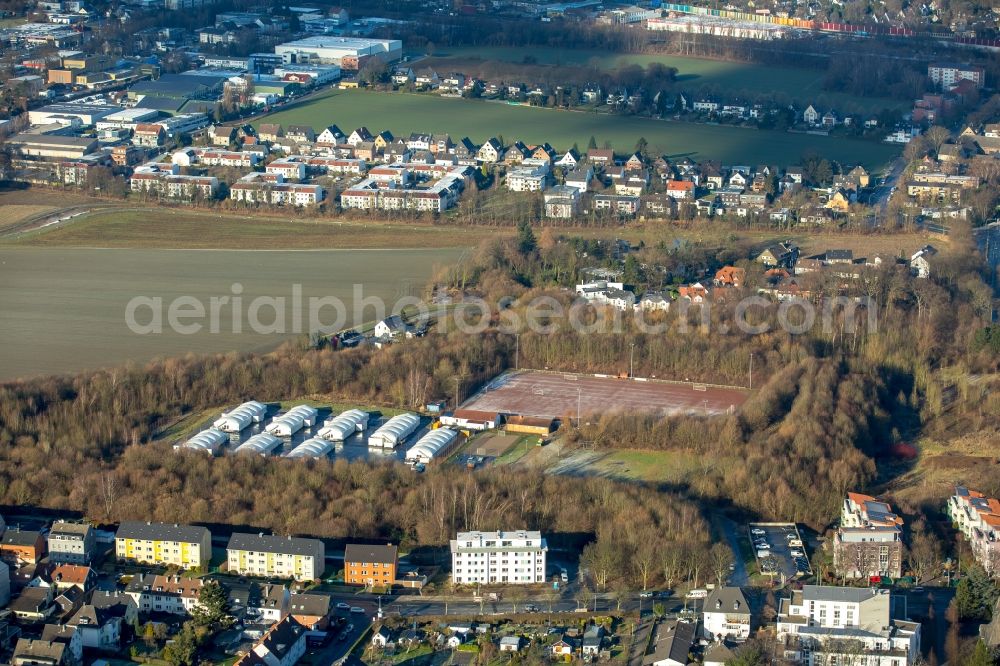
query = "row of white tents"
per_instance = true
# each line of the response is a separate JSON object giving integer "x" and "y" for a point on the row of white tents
{"x": 241, "y": 417}
{"x": 292, "y": 421}
{"x": 337, "y": 428}
{"x": 394, "y": 432}
{"x": 430, "y": 445}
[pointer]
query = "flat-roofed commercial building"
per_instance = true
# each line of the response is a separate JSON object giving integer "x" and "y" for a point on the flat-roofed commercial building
{"x": 347, "y": 52}
{"x": 53, "y": 146}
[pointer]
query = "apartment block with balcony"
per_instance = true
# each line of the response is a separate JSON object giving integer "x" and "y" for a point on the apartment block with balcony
{"x": 515, "y": 557}
{"x": 266, "y": 555}
{"x": 184, "y": 546}
{"x": 869, "y": 540}
{"x": 825, "y": 626}
{"x": 977, "y": 517}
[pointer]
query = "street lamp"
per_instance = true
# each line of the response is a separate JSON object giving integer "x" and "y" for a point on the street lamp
{"x": 631, "y": 360}
{"x": 751, "y": 371}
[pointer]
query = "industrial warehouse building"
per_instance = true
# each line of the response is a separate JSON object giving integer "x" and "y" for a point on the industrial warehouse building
{"x": 53, "y": 146}
{"x": 498, "y": 557}
{"x": 348, "y": 52}
{"x": 268, "y": 555}
{"x": 88, "y": 114}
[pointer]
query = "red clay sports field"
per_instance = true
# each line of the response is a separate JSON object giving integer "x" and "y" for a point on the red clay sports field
{"x": 555, "y": 394}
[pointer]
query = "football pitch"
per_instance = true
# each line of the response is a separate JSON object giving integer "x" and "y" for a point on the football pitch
{"x": 560, "y": 395}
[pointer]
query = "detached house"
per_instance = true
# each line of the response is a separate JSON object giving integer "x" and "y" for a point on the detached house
{"x": 490, "y": 152}
{"x": 284, "y": 644}
{"x": 726, "y": 614}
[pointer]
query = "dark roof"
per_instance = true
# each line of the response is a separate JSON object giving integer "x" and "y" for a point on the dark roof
{"x": 278, "y": 641}
{"x": 39, "y": 651}
{"x": 16, "y": 537}
{"x": 728, "y": 600}
{"x": 134, "y": 529}
{"x": 270, "y": 543}
{"x": 160, "y": 103}
{"x": 366, "y": 553}
{"x": 31, "y": 600}
{"x": 178, "y": 85}
{"x": 673, "y": 642}
{"x": 310, "y": 603}
{"x": 61, "y": 633}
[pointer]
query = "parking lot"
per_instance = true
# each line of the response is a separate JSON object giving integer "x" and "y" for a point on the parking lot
{"x": 779, "y": 549}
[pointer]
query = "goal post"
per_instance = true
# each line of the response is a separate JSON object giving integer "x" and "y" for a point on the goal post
{"x": 700, "y": 387}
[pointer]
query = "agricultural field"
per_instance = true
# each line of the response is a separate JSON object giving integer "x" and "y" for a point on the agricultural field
{"x": 404, "y": 113}
{"x": 178, "y": 228}
{"x": 64, "y": 309}
{"x": 799, "y": 85}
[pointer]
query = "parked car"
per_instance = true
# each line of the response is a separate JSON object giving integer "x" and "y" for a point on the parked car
{"x": 357, "y": 609}
{"x": 343, "y": 606}
{"x": 697, "y": 594}
{"x": 646, "y": 594}
{"x": 757, "y": 530}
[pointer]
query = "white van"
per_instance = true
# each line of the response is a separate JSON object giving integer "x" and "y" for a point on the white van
{"x": 697, "y": 594}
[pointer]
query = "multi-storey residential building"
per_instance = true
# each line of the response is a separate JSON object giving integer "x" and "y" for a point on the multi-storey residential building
{"x": 370, "y": 565}
{"x": 19, "y": 546}
{"x": 947, "y": 74}
{"x": 282, "y": 557}
{"x": 528, "y": 177}
{"x": 978, "y": 518}
{"x": 869, "y": 541}
{"x": 726, "y": 614}
{"x": 71, "y": 543}
{"x": 174, "y": 186}
{"x": 164, "y": 594}
{"x": 824, "y": 625}
{"x": 270, "y": 188}
{"x": 561, "y": 201}
{"x": 227, "y": 158}
{"x": 516, "y": 557}
{"x": 380, "y": 192}
{"x": 291, "y": 167}
{"x": 184, "y": 546}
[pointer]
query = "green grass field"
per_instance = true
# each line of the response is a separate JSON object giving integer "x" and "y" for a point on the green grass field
{"x": 404, "y": 113}
{"x": 735, "y": 79}
{"x": 64, "y": 309}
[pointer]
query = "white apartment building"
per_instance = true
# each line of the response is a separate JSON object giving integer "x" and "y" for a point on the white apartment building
{"x": 528, "y": 177}
{"x": 978, "y": 518}
{"x": 226, "y": 158}
{"x": 173, "y": 186}
{"x": 275, "y": 556}
{"x": 869, "y": 541}
{"x": 947, "y": 75}
{"x": 292, "y": 167}
{"x": 826, "y": 626}
{"x": 380, "y": 192}
{"x": 71, "y": 543}
{"x": 336, "y": 165}
{"x": 498, "y": 557}
{"x": 270, "y": 188}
